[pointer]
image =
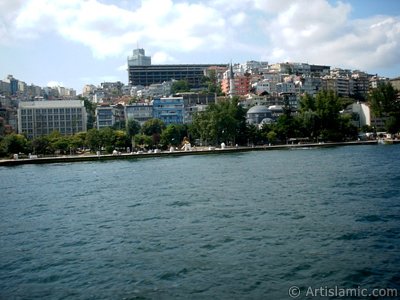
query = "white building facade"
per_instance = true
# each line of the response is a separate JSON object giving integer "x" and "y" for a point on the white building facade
{"x": 38, "y": 118}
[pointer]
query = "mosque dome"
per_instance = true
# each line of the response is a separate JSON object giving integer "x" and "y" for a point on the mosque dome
{"x": 267, "y": 121}
{"x": 257, "y": 113}
{"x": 259, "y": 109}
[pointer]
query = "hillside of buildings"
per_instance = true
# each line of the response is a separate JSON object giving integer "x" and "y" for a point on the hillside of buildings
{"x": 274, "y": 104}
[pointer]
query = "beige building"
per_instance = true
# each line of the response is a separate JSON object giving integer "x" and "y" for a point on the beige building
{"x": 395, "y": 83}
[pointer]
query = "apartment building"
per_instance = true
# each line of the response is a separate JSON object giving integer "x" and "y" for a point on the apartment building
{"x": 170, "y": 110}
{"x": 38, "y": 118}
{"x": 140, "y": 112}
{"x": 105, "y": 116}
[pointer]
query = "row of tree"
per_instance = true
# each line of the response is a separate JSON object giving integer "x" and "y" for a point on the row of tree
{"x": 318, "y": 118}
{"x": 153, "y": 133}
{"x": 385, "y": 103}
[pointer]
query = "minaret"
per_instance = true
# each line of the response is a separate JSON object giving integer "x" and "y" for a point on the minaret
{"x": 231, "y": 82}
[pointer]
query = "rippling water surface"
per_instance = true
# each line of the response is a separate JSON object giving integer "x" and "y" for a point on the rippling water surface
{"x": 230, "y": 226}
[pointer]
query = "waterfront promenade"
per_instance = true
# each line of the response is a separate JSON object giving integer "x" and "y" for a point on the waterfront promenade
{"x": 194, "y": 151}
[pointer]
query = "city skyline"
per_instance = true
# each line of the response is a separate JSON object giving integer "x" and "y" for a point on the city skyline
{"x": 87, "y": 42}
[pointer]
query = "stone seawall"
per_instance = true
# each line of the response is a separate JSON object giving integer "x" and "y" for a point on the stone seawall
{"x": 82, "y": 158}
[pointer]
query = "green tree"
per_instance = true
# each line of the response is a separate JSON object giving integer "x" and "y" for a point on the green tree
{"x": 121, "y": 139}
{"x": 309, "y": 124}
{"x": 107, "y": 138}
{"x": 384, "y": 103}
{"x": 132, "y": 127}
{"x": 241, "y": 123}
{"x": 2, "y": 123}
{"x": 78, "y": 140}
{"x": 153, "y": 128}
{"x": 347, "y": 130}
{"x": 383, "y": 99}
{"x": 328, "y": 107}
{"x": 180, "y": 86}
{"x": 254, "y": 134}
{"x": 221, "y": 122}
{"x": 93, "y": 139}
{"x": 15, "y": 143}
{"x": 143, "y": 140}
{"x": 90, "y": 110}
{"x": 61, "y": 144}
{"x": 41, "y": 145}
{"x": 286, "y": 127}
{"x": 271, "y": 136}
{"x": 307, "y": 103}
{"x": 201, "y": 126}
{"x": 212, "y": 84}
{"x": 173, "y": 135}
{"x": 319, "y": 116}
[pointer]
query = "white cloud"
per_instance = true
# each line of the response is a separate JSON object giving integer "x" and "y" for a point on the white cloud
{"x": 314, "y": 31}
{"x": 9, "y": 10}
{"x": 238, "y": 19}
{"x": 123, "y": 67}
{"x": 323, "y": 33}
{"x": 272, "y": 6}
{"x": 161, "y": 57}
{"x": 109, "y": 30}
{"x": 317, "y": 31}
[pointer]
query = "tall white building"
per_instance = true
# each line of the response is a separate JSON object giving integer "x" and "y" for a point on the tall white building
{"x": 138, "y": 58}
{"x": 38, "y": 118}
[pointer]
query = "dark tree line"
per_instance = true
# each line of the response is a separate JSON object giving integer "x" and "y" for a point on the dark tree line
{"x": 385, "y": 103}
{"x": 318, "y": 118}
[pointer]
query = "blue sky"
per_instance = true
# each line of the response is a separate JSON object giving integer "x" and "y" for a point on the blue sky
{"x": 77, "y": 42}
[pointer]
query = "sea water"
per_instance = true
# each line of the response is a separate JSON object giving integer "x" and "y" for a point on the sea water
{"x": 229, "y": 226}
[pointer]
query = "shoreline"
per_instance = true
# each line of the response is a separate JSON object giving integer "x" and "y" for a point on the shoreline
{"x": 105, "y": 157}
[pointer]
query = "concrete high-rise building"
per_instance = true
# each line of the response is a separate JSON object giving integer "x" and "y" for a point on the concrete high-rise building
{"x": 138, "y": 58}
{"x": 141, "y": 72}
{"x": 38, "y": 118}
